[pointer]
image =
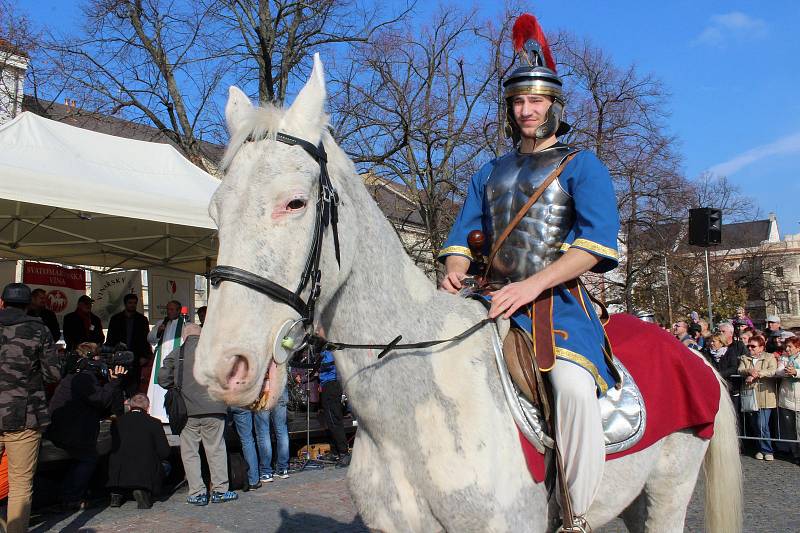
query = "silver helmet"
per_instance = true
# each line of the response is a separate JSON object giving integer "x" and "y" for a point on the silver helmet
{"x": 536, "y": 76}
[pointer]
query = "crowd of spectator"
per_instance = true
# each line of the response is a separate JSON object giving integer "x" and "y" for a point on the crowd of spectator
{"x": 66, "y": 396}
{"x": 760, "y": 368}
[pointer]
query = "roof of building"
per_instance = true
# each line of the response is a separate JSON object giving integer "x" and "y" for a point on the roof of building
{"x": 735, "y": 235}
{"x": 743, "y": 235}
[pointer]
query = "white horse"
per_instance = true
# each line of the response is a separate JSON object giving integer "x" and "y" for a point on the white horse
{"x": 436, "y": 448}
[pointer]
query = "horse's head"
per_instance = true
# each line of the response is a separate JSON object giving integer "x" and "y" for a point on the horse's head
{"x": 265, "y": 212}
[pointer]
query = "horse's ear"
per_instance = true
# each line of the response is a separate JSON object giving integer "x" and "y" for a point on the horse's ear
{"x": 307, "y": 115}
{"x": 237, "y": 107}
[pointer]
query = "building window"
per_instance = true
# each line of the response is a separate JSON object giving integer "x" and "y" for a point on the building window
{"x": 782, "y": 302}
{"x": 779, "y": 272}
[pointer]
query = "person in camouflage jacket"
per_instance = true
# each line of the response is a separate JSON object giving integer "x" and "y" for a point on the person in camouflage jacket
{"x": 28, "y": 360}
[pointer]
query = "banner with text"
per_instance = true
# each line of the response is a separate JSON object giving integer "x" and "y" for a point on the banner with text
{"x": 164, "y": 285}
{"x": 63, "y": 286}
{"x": 108, "y": 291}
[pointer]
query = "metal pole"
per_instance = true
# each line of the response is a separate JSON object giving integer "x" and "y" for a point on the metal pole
{"x": 708, "y": 288}
{"x": 669, "y": 295}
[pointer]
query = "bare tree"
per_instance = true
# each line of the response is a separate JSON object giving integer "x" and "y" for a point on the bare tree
{"x": 271, "y": 40}
{"x": 620, "y": 114}
{"x": 146, "y": 60}
{"x": 413, "y": 112}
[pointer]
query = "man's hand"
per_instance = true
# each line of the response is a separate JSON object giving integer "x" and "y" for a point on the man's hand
{"x": 507, "y": 300}
{"x": 753, "y": 373}
{"x": 456, "y": 267}
{"x": 162, "y": 327}
{"x": 452, "y": 282}
{"x": 117, "y": 371}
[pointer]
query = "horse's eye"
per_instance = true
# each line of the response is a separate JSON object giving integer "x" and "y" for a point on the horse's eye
{"x": 296, "y": 204}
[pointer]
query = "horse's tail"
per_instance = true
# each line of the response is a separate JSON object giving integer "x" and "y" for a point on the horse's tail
{"x": 723, "y": 471}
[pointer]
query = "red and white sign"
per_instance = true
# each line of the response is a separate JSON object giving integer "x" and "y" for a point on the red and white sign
{"x": 63, "y": 285}
{"x": 164, "y": 285}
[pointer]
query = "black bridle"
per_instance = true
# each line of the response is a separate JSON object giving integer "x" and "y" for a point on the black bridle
{"x": 326, "y": 215}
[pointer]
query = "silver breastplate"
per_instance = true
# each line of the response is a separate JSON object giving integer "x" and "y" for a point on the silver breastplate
{"x": 537, "y": 239}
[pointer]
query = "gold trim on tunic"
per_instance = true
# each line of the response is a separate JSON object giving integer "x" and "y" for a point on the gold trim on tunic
{"x": 592, "y": 247}
{"x": 457, "y": 250}
{"x": 583, "y": 362}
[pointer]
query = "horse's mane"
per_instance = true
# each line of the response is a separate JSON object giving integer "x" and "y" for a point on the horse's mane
{"x": 258, "y": 123}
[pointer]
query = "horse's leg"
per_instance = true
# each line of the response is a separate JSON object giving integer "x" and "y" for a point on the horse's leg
{"x": 383, "y": 493}
{"x": 669, "y": 489}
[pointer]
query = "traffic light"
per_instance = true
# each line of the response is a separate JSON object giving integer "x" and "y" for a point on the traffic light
{"x": 705, "y": 226}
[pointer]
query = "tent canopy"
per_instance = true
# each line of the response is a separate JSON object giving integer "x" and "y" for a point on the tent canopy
{"x": 79, "y": 197}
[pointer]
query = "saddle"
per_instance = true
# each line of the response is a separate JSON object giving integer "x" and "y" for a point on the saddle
{"x": 622, "y": 408}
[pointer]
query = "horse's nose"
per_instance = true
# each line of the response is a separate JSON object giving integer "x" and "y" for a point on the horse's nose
{"x": 236, "y": 378}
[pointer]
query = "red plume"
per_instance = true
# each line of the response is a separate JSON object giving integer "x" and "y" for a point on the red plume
{"x": 526, "y": 27}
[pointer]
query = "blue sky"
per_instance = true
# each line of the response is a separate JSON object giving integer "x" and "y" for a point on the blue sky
{"x": 731, "y": 67}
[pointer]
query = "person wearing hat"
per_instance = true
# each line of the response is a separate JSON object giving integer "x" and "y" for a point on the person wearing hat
{"x": 28, "y": 360}
{"x": 82, "y": 325}
{"x": 773, "y": 333}
{"x": 570, "y": 229}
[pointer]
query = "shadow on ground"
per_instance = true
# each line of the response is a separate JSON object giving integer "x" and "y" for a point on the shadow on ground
{"x": 307, "y": 522}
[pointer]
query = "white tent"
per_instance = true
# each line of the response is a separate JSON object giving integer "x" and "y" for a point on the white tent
{"x": 76, "y": 196}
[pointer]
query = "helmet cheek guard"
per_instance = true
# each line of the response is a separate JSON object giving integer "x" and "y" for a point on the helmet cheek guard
{"x": 553, "y": 123}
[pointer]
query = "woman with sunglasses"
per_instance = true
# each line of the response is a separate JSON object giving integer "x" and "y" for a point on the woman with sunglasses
{"x": 758, "y": 369}
{"x": 789, "y": 395}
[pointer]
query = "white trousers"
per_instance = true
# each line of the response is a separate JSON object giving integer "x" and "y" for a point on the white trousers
{"x": 579, "y": 431}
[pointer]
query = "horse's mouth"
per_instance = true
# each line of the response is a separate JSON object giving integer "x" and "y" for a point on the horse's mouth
{"x": 242, "y": 388}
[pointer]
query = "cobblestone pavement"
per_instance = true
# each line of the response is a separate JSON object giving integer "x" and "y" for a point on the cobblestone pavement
{"x": 317, "y": 501}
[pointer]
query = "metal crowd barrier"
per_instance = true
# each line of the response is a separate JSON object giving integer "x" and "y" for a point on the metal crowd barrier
{"x": 748, "y": 422}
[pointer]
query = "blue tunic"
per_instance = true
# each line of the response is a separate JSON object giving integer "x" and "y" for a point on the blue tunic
{"x": 578, "y": 335}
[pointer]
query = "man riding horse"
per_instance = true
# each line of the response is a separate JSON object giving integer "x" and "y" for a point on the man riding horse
{"x": 570, "y": 229}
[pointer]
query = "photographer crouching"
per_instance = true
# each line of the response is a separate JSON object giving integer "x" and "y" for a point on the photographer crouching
{"x": 87, "y": 395}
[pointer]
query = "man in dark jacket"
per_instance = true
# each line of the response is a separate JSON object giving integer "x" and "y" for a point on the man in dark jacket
{"x": 138, "y": 445}
{"x": 78, "y": 405}
{"x": 82, "y": 325}
{"x": 28, "y": 360}
{"x": 131, "y": 328}
{"x": 206, "y": 424}
{"x": 38, "y": 307}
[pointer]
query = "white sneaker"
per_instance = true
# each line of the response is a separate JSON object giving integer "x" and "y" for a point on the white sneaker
{"x": 769, "y": 457}
{"x": 760, "y": 456}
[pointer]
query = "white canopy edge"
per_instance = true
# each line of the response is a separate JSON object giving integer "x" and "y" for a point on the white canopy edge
{"x": 51, "y": 163}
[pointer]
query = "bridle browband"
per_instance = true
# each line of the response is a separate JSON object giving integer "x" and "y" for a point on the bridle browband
{"x": 326, "y": 214}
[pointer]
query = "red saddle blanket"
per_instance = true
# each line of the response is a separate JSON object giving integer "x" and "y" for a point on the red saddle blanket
{"x": 679, "y": 389}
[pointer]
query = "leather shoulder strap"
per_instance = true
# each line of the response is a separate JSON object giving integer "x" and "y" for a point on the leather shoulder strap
{"x": 524, "y": 210}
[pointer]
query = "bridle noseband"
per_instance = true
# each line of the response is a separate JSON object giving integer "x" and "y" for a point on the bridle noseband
{"x": 326, "y": 214}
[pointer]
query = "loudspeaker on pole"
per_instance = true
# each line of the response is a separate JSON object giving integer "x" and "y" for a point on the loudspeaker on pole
{"x": 705, "y": 226}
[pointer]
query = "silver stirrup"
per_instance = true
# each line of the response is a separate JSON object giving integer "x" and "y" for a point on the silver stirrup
{"x": 579, "y": 525}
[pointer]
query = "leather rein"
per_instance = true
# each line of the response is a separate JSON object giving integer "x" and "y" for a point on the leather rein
{"x": 326, "y": 215}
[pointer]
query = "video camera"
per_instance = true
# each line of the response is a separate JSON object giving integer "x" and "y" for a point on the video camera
{"x": 118, "y": 355}
{"x": 109, "y": 357}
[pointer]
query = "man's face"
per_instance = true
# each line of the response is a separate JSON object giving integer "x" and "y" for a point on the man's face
{"x": 130, "y": 304}
{"x": 774, "y": 326}
{"x": 745, "y": 336}
{"x": 38, "y": 300}
{"x": 85, "y": 306}
{"x": 679, "y": 328}
{"x": 726, "y": 332}
{"x": 530, "y": 112}
{"x": 173, "y": 311}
